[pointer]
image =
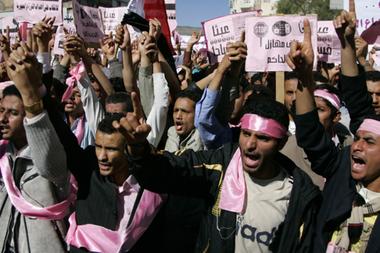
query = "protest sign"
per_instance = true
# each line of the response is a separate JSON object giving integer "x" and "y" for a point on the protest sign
{"x": 13, "y": 25}
{"x": 58, "y": 42}
{"x": 68, "y": 20}
{"x": 367, "y": 13}
{"x": 33, "y": 10}
{"x": 218, "y": 32}
{"x": 88, "y": 23}
{"x": 269, "y": 38}
{"x": 112, "y": 17}
{"x": 328, "y": 43}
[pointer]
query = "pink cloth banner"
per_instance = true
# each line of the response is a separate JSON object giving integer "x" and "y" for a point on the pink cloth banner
{"x": 328, "y": 43}
{"x": 219, "y": 31}
{"x": 88, "y": 22}
{"x": 367, "y": 13}
{"x": 269, "y": 38}
{"x": 33, "y": 10}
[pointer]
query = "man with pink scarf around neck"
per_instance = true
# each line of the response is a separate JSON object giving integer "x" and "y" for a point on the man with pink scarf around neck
{"x": 259, "y": 201}
{"x": 348, "y": 218}
{"x": 35, "y": 192}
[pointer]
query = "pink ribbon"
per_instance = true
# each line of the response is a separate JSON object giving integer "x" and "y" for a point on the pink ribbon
{"x": 331, "y": 97}
{"x": 54, "y": 212}
{"x": 233, "y": 188}
{"x": 370, "y": 125}
{"x": 270, "y": 127}
{"x": 76, "y": 74}
{"x": 99, "y": 239}
{"x": 79, "y": 132}
{"x": 233, "y": 193}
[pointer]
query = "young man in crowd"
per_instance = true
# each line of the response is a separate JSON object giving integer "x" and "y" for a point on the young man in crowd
{"x": 290, "y": 88}
{"x": 347, "y": 220}
{"x": 373, "y": 87}
{"x": 238, "y": 182}
{"x": 35, "y": 193}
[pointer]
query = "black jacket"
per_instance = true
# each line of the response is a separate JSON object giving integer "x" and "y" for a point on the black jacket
{"x": 97, "y": 196}
{"x": 335, "y": 165}
{"x": 201, "y": 174}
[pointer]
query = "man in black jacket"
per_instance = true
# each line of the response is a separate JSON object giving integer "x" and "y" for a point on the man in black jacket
{"x": 347, "y": 220}
{"x": 239, "y": 182}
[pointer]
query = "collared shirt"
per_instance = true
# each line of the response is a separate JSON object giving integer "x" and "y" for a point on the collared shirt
{"x": 126, "y": 198}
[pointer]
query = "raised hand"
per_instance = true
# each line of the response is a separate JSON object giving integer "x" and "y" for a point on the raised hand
{"x": 26, "y": 72}
{"x": 301, "y": 55}
{"x": 74, "y": 45}
{"x": 107, "y": 44}
{"x": 148, "y": 47}
{"x": 43, "y": 32}
{"x": 5, "y": 45}
{"x": 133, "y": 126}
{"x": 345, "y": 27}
{"x": 123, "y": 37}
{"x": 155, "y": 28}
{"x": 194, "y": 39}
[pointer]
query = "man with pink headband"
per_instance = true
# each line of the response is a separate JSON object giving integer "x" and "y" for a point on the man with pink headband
{"x": 239, "y": 181}
{"x": 347, "y": 220}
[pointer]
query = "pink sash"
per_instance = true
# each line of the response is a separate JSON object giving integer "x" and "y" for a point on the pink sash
{"x": 99, "y": 239}
{"x": 54, "y": 212}
{"x": 232, "y": 196}
{"x": 79, "y": 133}
{"x": 76, "y": 74}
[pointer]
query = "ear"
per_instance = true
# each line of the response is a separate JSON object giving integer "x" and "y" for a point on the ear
{"x": 337, "y": 117}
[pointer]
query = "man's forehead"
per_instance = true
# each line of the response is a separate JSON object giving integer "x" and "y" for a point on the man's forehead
{"x": 367, "y": 134}
{"x": 11, "y": 101}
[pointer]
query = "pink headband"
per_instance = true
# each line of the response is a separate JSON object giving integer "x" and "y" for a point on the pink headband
{"x": 268, "y": 126}
{"x": 370, "y": 125}
{"x": 331, "y": 97}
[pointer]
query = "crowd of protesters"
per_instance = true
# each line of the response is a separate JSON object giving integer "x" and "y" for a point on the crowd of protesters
{"x": 116, "y": 150}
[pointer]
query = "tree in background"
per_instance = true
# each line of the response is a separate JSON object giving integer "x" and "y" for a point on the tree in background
{"x": 303, "y": 7}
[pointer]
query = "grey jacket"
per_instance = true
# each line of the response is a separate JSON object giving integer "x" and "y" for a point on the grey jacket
{"x": 40, "y": 172}
{"x": 192, "y": 141}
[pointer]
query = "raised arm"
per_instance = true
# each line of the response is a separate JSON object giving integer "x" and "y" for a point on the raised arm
{"x": 47, "y": 152}
{"x": 159, "y": 112}
{"x": 310, "y": 133}
{"x": 352, "y": 82}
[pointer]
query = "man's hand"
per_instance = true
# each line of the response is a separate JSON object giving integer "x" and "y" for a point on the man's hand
{"x": 43, "y": 32}
{"x": 26, "y": 72}
{"x": 301, "y": 56}
{"x": 345, "y": 27}
{"x": 123, "y": 37}
{"x": 107, "y": 44}
{"x": 148, "y": 47}
{"x": 155, "y": 28}
{"x": 134, "y": 127}
{"x": 5, "y": 45}
{"x": 194, "y": 39}
{"x": 74, "y": 46}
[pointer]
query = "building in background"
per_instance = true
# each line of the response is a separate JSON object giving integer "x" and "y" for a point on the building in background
{"x": 268, "y": 7}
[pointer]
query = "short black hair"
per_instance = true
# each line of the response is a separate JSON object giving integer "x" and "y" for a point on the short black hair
{"x": 373, "y": 76}
{"x": 121, "y": 97}
{"x": 290, "y": 75}
{"x": 267, "y": 108}
{"x": 330, "y": 89}
{"x": 11, "y": 91}
{"x": 106, "y": 126}
{"x": 190, "y": 94}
